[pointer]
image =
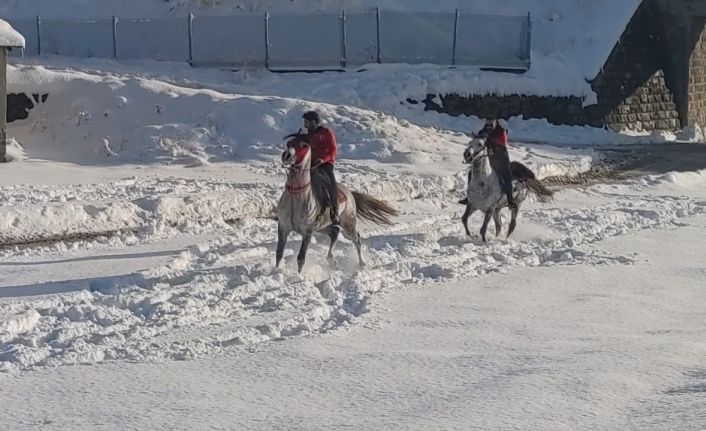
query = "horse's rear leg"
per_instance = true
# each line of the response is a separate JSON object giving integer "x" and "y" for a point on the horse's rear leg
{"x": 513, "y": 221}
{"x": 486, "y": 220}
{"x": 359, "y": 249}
{"x": 301, "y": 258}
{"x": 332, "y": 233}
{"x": 465, "y": 216}
{"x": 498, "y": 219}
{"x": 281, "y": 243}
{"x": 351, "y": 233}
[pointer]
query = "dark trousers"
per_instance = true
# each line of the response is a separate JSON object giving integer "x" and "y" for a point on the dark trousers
{"x": 329, "y": 187}
{"x": 500, "y": 162}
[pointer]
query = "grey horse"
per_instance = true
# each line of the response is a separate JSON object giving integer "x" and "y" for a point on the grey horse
{"x": 483, "y": 192}
{"x": 300, "y": 211}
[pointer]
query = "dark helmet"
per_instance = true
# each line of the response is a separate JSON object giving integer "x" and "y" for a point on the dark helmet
{"x": 312, "y": 116}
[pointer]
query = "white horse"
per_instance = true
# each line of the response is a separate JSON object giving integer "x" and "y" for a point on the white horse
{"x": 484, "y": 193}
{"x": 300, "y": 211}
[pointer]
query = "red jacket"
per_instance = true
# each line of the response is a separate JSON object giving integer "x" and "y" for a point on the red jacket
{"x": 497, "y": 137}
{"x": 323, "y": 145}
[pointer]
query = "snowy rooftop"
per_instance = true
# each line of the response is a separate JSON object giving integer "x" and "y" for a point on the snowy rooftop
{"x": 10, "y": 37}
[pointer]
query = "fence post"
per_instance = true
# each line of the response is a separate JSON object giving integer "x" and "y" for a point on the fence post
{"x": 377, "y": 19}
{"x": 456, "y": 21}
{"x": 267, "y": 40}
{"x": 529, "y": 39}
{"x": 39, "y": 35}
{"x": 115, "y": 36}
{"x": 190, "y": 26}
{"x": 343, "y": 39}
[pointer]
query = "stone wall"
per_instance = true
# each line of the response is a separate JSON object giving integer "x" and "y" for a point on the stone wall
{"x": 19, "y": 105}
{"x": 697, "y": 73}
{"x": 557, "y": 110}
{"x": 633, "y": 87}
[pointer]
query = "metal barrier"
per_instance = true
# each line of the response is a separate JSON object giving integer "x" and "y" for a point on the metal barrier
{"x": 291, "y": 41}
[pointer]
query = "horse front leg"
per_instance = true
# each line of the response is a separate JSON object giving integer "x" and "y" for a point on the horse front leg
{"x": 497, "y": 218}
{"x": 513, "y": 221}
{"x": 281, "y": 243}
{"x": 301, "y": 258}
{"x": 486, "y": 220}
{"x": 465, "y": 216}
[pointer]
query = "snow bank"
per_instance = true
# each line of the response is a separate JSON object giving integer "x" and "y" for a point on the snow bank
{"x": 224, "y": 294}
{"x": 10, "y": 37}
{"x": 94, "y": 117}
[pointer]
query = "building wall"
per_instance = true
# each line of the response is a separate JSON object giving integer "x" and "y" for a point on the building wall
{"x": 3, "y": 102}
{"x": 697, "y": 73}
{"x": 633, "y": 87}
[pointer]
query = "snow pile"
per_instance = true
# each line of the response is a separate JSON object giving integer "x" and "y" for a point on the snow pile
{"x": 9, "y": 36}
{"x": 96, "y": 117}
{"x": 14, "y": 151}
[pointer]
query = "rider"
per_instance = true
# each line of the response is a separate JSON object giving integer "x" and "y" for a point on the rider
{"x": 496, "y": 142}
{"x": 323, "y": 152}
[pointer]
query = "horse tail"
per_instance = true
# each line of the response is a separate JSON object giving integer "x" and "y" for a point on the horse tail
{"x": 540, "y": 191}
{"x": 521, "y": 172}
{"x": 374, "y": 210}
{"x": 525, "y": 175}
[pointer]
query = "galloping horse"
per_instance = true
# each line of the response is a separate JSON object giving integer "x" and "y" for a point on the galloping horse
{"x": 299, "y": 209}
{"x": 484, "y": 193}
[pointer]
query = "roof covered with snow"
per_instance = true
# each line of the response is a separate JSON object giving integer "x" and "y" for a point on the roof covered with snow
{"x": 10, "y": 37}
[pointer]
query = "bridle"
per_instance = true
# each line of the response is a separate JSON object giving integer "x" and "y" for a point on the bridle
{"x": 296, "y": 169}
{"x": 477, "y": 156}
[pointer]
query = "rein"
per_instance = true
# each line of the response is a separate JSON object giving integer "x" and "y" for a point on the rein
{"x": 295, "y": 190}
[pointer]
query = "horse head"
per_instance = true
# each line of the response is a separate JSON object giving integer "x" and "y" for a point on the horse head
{"x": 475, "y": 150}
{"x": 297, "y": 153}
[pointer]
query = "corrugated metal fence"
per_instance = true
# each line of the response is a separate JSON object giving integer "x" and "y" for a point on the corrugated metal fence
{"x": 289, "y": 41}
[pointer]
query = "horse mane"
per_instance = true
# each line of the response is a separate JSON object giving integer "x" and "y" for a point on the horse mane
{"x": 298, "y": 137}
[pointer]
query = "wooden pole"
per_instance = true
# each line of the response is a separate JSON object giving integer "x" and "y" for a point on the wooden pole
{"x": 3, "y": 103}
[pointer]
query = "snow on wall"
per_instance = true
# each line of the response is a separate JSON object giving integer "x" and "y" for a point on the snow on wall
{"x": 9, "y": 36}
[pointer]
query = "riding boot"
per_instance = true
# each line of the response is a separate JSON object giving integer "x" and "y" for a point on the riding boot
{"x": 507, "y": 188}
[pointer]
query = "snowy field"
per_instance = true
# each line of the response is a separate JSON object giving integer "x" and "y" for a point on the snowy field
{"x": 137, "y": 281}
{"x": 137, "y": 287}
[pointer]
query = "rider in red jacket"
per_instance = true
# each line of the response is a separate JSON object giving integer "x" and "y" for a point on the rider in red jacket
{"x": 496, "y": 142}
{"x": 323, "y": 153}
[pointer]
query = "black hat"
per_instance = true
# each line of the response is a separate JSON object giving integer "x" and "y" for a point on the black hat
{"x": 312, "y": 116}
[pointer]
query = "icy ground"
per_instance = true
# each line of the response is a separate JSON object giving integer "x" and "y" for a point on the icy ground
{"x": 137, "y": 288}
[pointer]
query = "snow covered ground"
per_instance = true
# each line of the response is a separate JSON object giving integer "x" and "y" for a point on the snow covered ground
{"x": 611, "y": 339}
{"x": 137, "y": 287}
